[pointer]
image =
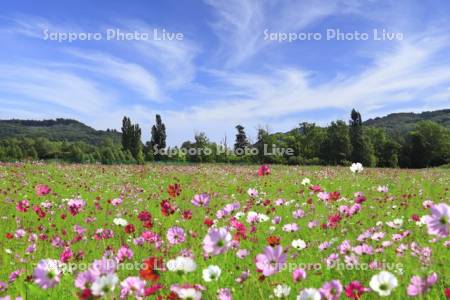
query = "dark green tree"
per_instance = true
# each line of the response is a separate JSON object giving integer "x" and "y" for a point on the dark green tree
{"x": 241, "y": 141}
{"x": 336, "y": 148}
{"x": 159, "y": 136}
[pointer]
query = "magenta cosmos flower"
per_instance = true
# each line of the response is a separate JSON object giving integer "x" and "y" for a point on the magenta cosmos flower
{"x": 271, "y": 261}
{"x": 217, "y": 241}
{"x": 175, "y": 235}
{"x": 42, "y": 190}
{"x": 23, "y": 206}
{"x": 47, "y": 273}
{"x": 438, "y": 222}
{"x": 201, "y": 200}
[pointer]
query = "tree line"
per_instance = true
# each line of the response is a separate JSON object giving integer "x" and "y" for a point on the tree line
{"x": 340, "y": 143}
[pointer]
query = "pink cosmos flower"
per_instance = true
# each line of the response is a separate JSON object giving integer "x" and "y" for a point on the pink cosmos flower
{"x": 201, "y": 200}
{"x": 14, "y": 275}
{"x": 124, "y": 253}
{"x": 47, "y": 273}
{"x": 116, "y": 202}
{"x": 23, "y": 205}
{"x": 427, "y": 203}
{"x": 299, "y": 213}
{"x": 279, "y": 202}
{"x": 85, "y": 279}
{"x": 298, "y": 274}
{"x": 20, "y": 233}
{"x": 420, "y": 286}
{"x": 290, "y": 227}
{"x": 76, "y": 205}
{"x": 243, "y": 276}
{"x": 252, "y": 192}
{"x": 175, "y": 235}
{"x": 324, "y": 196}
{"x": 271, "y": 261}
{"x": 217, "y": 241}
{"x": 132, "y": 286}
{"x": 324, "y": 245}
{"x": 331, "y": 290}
{"x": 312, "y": 224}
{"x": 242, "y": 253}
{"x": 439, "y": 221}
{"x": 224, "y": 294}
{"x": 331, "y": 259}
{"x": 42, "y": 190}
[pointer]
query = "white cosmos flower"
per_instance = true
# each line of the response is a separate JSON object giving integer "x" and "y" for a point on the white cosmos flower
{"x": 239, "y": 215}
{"x": 309, "y": 294}
{"x": 104, "y": 284}
{"x": 298, "y": 244}
{"x": 383, "y": 283}
{"x": 120, "y": 222}
{"x": 189, "y": 293}
{"x": 263, "y": 218}
{"x": 306, "y": 181}
{"x": 397, "y": 223}
{"x": 282, "y": 290}
{"x": 211, "y": 273}
{"x": 356, "y": 167}
{"x": 182, "y": 264}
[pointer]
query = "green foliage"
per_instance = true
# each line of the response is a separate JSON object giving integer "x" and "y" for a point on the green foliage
{"x": 373, "y": 143}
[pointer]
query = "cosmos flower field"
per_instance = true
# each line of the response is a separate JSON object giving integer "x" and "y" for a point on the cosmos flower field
{"x": 223, "y": 232}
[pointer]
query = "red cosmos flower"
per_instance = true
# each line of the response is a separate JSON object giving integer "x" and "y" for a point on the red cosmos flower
{"x": 9, "y": 235}
{"x": 333, "y": 196}
{"x": 166, "y": 208}
{"x": 354, "y": 290}
{"x": 208, "y": 222}
{"x": 264, "y": 170}
{"x": 240, "y": 230}
{"x": 144, "y": 216}
{"x": 415, "y": 218}
{"x": 315, "y": 188}
{"x": 153, "y": 266}
{"x": 85, "y": 294}
{"x": 147, "y": 224}
{"x": 187, "y": 214}
{"x": 174, "y": 190}
{"x": 130, "y": 228}
{"x": 153, "y": 289}
{"x": 273, "y": 240}
{"x": 38, "y": 210}
{"x": 447, "y": 293}
{"x": 333, "y": 220}
{"x": 360, "y": 199}
{"x": 266, "y": 202}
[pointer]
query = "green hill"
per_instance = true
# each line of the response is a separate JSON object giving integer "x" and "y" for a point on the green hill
{"x": 56, "y": 130}
{"x": 401, "y": 123}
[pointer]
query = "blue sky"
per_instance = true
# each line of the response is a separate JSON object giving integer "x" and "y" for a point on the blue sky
{"x": 223, "y": 71}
